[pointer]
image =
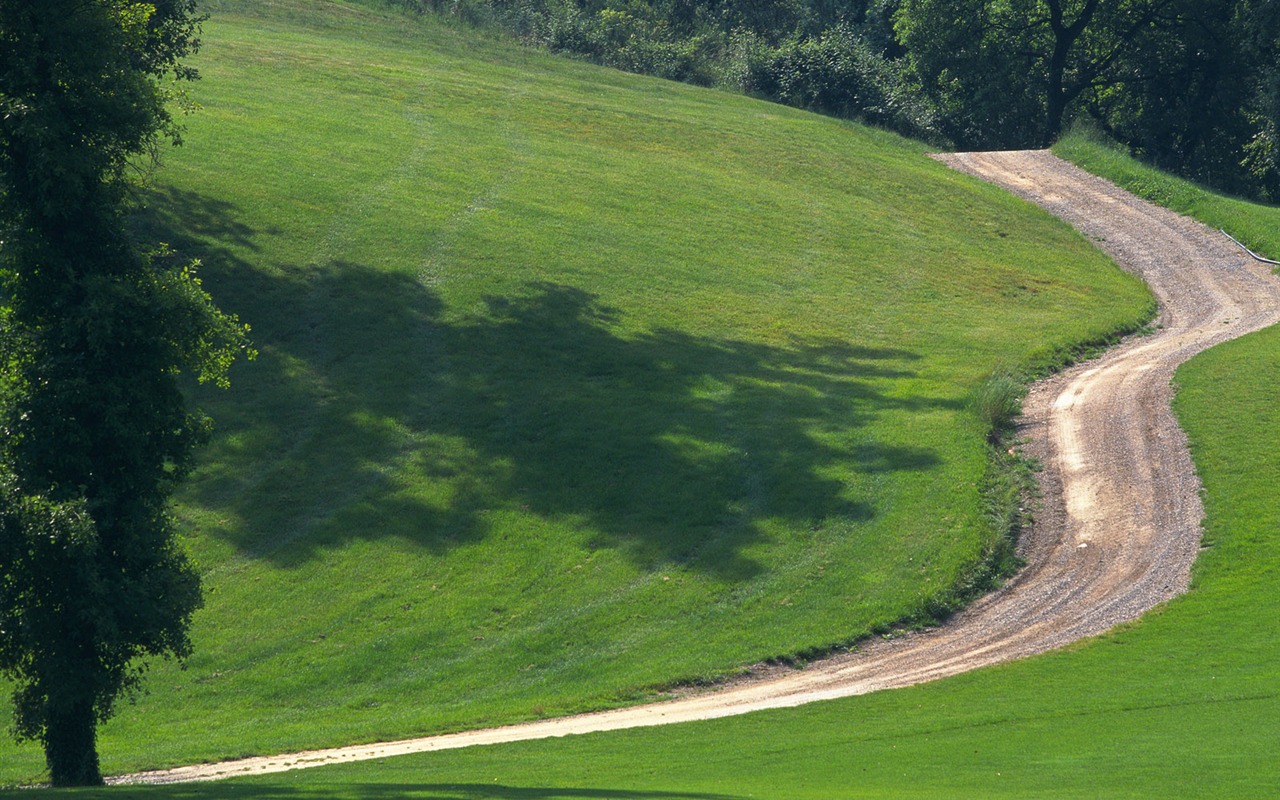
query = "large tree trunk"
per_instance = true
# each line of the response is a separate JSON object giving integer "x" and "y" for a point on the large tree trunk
{"x": 1055, "y": 104}
{"x": 71, "y": 746}
{"x": 1065, "y": 35}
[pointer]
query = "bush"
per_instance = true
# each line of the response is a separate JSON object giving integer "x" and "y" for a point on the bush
{"x": 837, "y": 73}
{"x": 998, "y": 402}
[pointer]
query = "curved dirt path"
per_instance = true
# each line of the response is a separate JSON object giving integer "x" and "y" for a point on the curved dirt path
{"x": 1119, "y": 526}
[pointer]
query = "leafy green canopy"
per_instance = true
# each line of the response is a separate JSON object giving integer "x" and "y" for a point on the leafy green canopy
{"x": 1188, "y": 84}
{"x": 94, "y": 427}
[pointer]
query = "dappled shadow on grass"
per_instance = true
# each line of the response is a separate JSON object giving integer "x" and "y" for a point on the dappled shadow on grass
{"x": 169, "y": 214}
{"x": 376, "y": 411}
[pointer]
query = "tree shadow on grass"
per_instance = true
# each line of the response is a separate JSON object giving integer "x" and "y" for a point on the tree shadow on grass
{"x": 200, "y": 223}
{"x": 376, "y": 411}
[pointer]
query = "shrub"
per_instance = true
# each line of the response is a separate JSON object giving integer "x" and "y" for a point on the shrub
{"x": 998, "y": 401}
{"x": 837, "y": 73}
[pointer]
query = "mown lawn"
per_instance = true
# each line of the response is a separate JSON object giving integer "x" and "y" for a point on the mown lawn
{"x": 573, "y": 384}
{"x": 1185, "y": 703}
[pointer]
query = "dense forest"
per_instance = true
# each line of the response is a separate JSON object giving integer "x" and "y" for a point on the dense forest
{"x": 1192, "y": 86}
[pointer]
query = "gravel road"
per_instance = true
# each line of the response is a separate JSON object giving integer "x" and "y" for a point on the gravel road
{"x": 1119, "y": 524}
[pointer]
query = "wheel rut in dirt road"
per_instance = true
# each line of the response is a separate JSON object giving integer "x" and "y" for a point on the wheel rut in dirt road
{"x": 1119, "y": 525}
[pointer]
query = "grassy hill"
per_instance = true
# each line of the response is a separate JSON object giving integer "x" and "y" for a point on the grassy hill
{"x": 1183, "y": 704}
{"x": 573, "y": 384}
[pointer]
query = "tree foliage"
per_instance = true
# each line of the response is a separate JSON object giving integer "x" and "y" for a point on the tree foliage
{"x": 1184, "y": 82}
{"x": 1008, "y": 70}
{"x": 840, "y": 72}
{"x": 96, "y": 338}
{"x": 1206, "y": 102}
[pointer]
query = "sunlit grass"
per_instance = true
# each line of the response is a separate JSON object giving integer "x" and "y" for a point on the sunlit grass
{"x": 1182, "y": 704}
{"x": 572, "y": 385}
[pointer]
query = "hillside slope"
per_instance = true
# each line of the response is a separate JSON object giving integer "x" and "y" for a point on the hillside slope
{"x": 573, "y": 384}
{"x": 1183, "y": 705}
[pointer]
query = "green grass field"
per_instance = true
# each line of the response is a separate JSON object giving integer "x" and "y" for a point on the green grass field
{"x": 1184, "y": 704}
{"x": 573, "y": 384}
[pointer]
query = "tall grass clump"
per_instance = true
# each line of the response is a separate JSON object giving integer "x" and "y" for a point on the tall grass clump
{"x": 1007, "y": 488}
{"x": 998, "y": 402}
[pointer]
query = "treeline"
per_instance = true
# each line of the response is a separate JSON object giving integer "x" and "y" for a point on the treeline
{"x": 1192, "y": 86}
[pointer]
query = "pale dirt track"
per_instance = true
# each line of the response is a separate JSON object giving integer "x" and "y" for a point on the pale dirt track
{"x": 1119, "y": 525}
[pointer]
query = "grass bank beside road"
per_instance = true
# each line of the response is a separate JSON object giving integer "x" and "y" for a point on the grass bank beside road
{"x": 1183, "y": 704}
{"x": 1254, "y": 224}
{"x": 573, "y": 384}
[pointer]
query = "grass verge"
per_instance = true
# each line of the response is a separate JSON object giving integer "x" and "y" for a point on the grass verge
{"x": 1255, "y": 224}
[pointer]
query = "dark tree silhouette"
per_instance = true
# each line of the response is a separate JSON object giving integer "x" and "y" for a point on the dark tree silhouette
{"x": 94, "y": 429}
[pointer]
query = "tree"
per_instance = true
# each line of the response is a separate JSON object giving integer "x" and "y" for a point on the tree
{"x": 97, "y": 335}
{"x": 1206, "y": 106}
{"x": 1258, "y": 26}
{"x": 1010, "y": 69}
{"x": 1190, "y": 85}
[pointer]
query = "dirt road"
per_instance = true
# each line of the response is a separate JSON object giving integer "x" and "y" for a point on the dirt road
{"x": 1120, "y": 521}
